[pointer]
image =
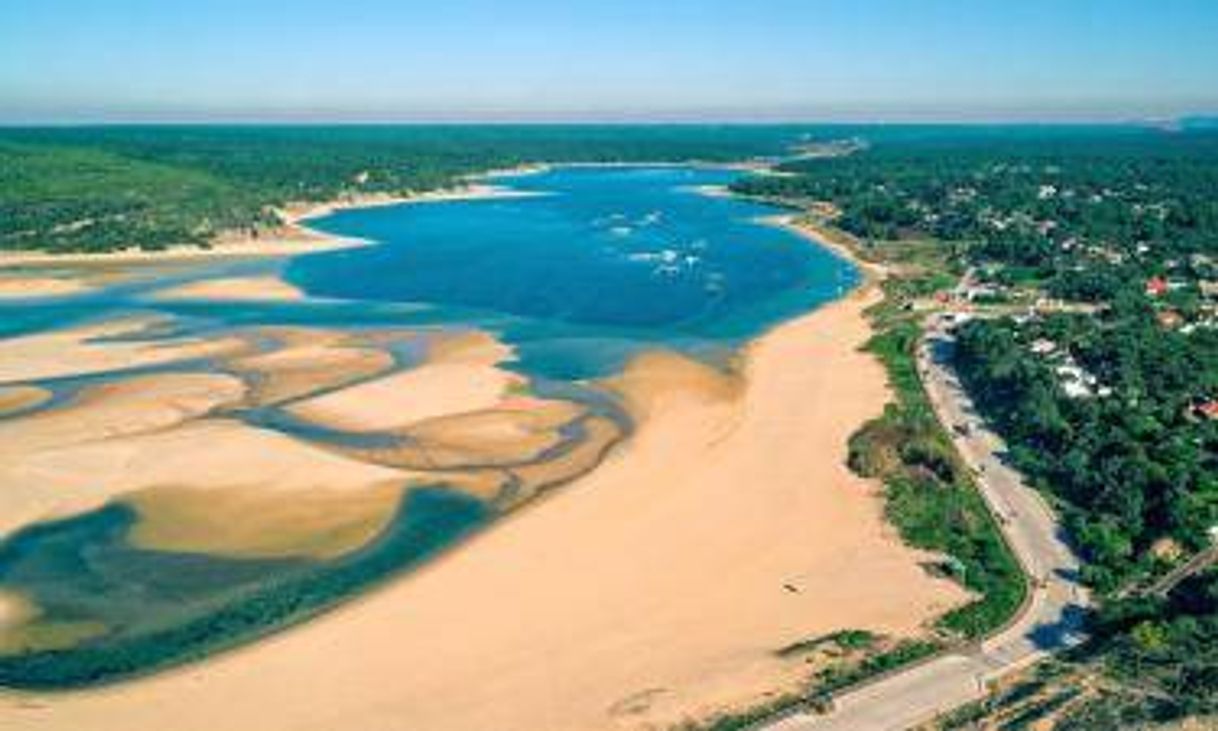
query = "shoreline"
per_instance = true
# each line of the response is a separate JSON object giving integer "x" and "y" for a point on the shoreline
{"x": 294, "y": 236}
{"x": 708, "y": 488}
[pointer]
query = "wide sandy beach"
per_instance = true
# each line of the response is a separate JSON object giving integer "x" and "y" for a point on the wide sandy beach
{"x": 654, "y": 589}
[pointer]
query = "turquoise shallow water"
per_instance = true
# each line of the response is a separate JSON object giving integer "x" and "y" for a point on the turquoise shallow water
{"x": 601, "y": 264}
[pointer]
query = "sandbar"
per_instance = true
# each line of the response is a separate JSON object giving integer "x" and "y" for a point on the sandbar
{"x": 461, "y": 374}
{"x": 234, "y": 289}
{"x": 94, "y": 348}
{"x": 257, "y": 523}
{"x": 38, "y": 286}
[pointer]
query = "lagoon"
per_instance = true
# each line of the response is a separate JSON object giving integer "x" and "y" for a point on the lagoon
{"x": 598, "y": 265}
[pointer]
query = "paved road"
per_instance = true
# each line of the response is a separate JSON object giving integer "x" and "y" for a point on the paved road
{"x": 1051, "y": 620}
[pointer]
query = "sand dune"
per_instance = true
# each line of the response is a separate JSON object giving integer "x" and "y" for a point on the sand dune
{"x": 654, "y": 589}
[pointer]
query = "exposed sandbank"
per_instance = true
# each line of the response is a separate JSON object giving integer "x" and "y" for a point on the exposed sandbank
{"x": 257, "y": 523}
{"x": 234, "y": 289}
{"x": 59, "y": 480}
{"x": 94, "y": 349}
{"x": 461, "y": 374}
{"x": 300, "y": 369}
{"x": 17, "y": 287}
{"x": 727, "y": 528}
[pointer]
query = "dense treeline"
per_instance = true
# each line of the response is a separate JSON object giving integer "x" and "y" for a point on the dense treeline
{"x": 101, "y": 188}
{"x": 1132, "y": 467}
{"x": 1081, "y": 212}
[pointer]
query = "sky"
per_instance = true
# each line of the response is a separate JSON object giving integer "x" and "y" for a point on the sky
{"x": 613, "y": 60}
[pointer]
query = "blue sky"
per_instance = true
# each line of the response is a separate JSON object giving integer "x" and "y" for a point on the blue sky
{"x": 74, "y": 60}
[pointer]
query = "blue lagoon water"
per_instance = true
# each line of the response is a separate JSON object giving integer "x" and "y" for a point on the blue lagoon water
{"x": 601, "y": 262}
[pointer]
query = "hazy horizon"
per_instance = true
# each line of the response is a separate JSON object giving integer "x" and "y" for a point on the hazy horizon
{"x": 471, "y": 61}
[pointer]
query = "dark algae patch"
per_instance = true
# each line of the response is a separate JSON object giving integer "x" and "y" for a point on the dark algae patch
{"x": 162, "y": 609}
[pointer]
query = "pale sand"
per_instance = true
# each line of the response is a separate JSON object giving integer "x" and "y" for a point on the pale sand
{"x": 85, "y": 350}
{"x": 303, "y": 212}
{"x": 100, "y": 415}
{"x": 504, "y": 435}
{"x": 234, "y": 289}
{"x": 14, "y": 399}
{"x": 648, "y": 591}
{"x": 460, "y": 375}
{"x": 299, "y": 370}
{"x": 205, "y": 454}
{"x": 39, "y": 286}
{"x": 288, "y": 241}
{"x": 20, "y": 631}
{"x": 256, "y": 523}
{"x": 120, "y": 408}
{"x": 15, "y": 609}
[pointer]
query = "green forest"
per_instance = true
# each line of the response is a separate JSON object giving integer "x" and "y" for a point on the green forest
{"x": 106, "y": 188}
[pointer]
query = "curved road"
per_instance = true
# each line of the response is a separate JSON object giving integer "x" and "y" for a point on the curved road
{"x": 1050, "y": 620}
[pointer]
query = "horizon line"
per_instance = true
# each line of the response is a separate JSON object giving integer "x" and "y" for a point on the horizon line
{"x": 727, "y": 121}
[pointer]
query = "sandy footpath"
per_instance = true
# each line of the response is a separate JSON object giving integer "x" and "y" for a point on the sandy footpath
{"x": 654, "y": 589}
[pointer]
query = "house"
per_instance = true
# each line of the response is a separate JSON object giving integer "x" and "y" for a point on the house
{"x": 1207, "y": 409}
{"x": 1156, "y": 287}
{"x": 1170, "y": 319}
{"x": 1043, "y": 346}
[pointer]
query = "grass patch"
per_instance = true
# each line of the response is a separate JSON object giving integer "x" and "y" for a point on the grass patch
{"x": 931, "y": 498}
{"x": 848, "y": 639}
{"x": 835, "y": 678}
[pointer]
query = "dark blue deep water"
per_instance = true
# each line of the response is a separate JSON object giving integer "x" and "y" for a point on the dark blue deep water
{"x": 602, "y": 262}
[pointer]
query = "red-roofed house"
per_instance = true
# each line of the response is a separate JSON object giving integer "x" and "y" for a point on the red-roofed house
{"x": 1156, "y": 286}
